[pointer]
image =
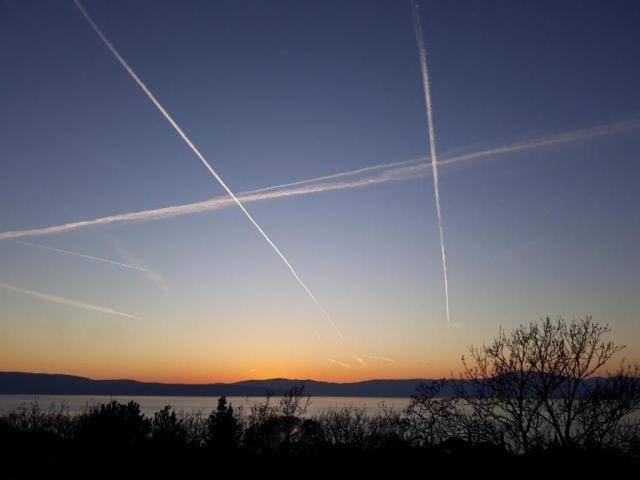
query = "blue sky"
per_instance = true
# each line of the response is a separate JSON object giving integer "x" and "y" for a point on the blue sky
{"x": 275, "y": 92}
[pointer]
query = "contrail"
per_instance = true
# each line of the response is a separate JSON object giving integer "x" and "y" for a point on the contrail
{"x": 333, "y": 176}
{"x": 359, "y": 360}
{"x": 382, "y": 359}
{"x": 207, "y": 205}
{"x": 546, "y": 141}
{"x": 448, "y": 159}
{"x": 391, "y": 172}
{"x": 432, "y": 144}
{"x": 157, "y": 279}
{"x": 76, "y": 254}
{"x": 197, "y": 153}
{"x": 67, "y": 301}
{"x": 343, "y": 365}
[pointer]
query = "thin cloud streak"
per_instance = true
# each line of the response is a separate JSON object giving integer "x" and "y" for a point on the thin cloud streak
{"x": 67, "y": 301}
{"x": 392, "y": 172}
{"x": 548, "y": 140}
{"x": 157, "y": 279}
{"x": 342, "y": 364}
{"x": 359, "y": 360}
{"x": 81, "y": 255}
{"x": 382, "y": 359}
{"x": 200, "y": 157}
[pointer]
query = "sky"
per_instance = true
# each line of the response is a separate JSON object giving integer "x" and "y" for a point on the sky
{"x": 282, "y": 91}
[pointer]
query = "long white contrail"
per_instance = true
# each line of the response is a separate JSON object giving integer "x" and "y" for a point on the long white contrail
{"x": 448, "y": 159}
{"x": 399, "y": 171}
{"x": 350, "y": 173}
{"x": 432, "y": 143}
{"x": 68, "y": 301}
{"x": 197, "y": 153}
{"x": 82, "y": 255}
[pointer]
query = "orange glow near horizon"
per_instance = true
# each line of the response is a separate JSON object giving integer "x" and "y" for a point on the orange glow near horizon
{"x": 198, "y": 356}
{"x": 320, "y": 373}
{"x": 232, "y": 376}
{"x": 171, "y": 367}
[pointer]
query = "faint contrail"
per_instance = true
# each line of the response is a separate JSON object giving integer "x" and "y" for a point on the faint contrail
{"x": 76, "y": 254}
{"x": 157, "y": 279}
{"x": 67, "y": 301}
{"x": 382, "y": 359}
{"x": 546, "y": 141}
{"x": 432, "y": 144}
{"x": 343, "y": 365}
{"x": 359, "y": 360}
{"x": 391, "y": 172}
{"x": 197, "y": 153}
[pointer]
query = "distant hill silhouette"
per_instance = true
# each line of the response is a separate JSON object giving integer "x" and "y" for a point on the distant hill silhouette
{"x": 57, "y": 384}
{"x": 52, "y": 384}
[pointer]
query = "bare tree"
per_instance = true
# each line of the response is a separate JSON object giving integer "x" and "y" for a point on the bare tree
{"x": 501, "y": 384}
{"x": 276, "y": 427}
{"x": 294, "y": 402}
{"x": 603, "y": 414}
{"x": 538, "y": 384}
{"x": 344, "y": 426}
{"x": 433, "y": 419}
{"x": 292, "y": 408}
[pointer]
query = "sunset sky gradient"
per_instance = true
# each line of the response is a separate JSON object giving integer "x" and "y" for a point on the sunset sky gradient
{"x": 282, "y": 91}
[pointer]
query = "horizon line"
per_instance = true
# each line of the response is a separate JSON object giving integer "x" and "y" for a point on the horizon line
{"x": 155, "y": 382}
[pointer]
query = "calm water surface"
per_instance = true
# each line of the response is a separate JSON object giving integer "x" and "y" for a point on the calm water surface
{"x": 149, "y": 405}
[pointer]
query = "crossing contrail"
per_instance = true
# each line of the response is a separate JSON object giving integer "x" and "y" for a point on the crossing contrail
{"x": 67, "y": 301}
{"x": 449, "y": 159}
{"x": 201, "y": 157}
{"x": 76, "y": 254}
{"x": 377, "y": 174}
{"x": 432, "y": 144}
{"x": 398, "y": 171}
{"x": 333, "y": 176}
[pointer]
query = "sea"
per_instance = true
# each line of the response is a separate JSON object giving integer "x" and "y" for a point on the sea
{"x": 149, "y": 405}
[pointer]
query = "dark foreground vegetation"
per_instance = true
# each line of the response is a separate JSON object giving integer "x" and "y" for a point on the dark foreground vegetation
{"x": 524, "y": 410}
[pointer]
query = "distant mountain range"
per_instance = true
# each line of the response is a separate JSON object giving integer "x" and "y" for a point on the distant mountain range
{"x": 50, "y": 384}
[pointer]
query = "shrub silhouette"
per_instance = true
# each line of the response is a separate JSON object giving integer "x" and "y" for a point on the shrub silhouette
{"x": 167, "y": 430}
{"x": 272, "y": 428}
{"x": 113, "y": 425}
{"x": 55, "y": 420}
